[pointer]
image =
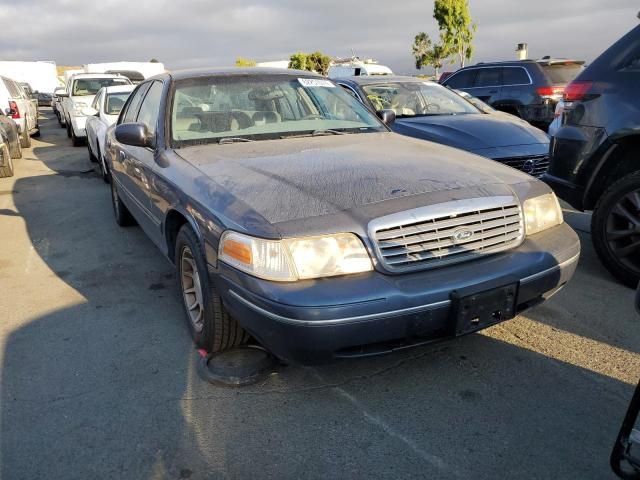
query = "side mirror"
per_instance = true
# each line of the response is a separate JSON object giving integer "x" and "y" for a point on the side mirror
{"x": 134, "y": 134}
{"x": 387, "y": 116}
{"x": 90, "y": 112}
{"x": 62, "y": 94}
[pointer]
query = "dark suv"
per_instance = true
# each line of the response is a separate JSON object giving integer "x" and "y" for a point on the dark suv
{"x": 595, "y": 154}
{"x": 529, "y": 89}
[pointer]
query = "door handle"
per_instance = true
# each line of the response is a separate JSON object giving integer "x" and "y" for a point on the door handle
{"x": 123, "y": 156}
{"x": 493, "y": 91}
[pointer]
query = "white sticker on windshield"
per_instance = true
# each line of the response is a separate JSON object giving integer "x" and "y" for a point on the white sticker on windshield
{"x": 315, "y": 82}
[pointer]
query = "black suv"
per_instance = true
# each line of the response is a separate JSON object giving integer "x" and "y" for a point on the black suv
{"x": 595, "y": 162}
{"x": 529, "y": 89}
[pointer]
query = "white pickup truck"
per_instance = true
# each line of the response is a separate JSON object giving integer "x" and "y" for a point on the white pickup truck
{"x": 80, "y": 92}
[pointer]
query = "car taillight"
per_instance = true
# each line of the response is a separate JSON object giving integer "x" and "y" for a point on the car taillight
{"x": 547, "y": 92}
{"x": 576, "y": 91}
{"x": 15, "y": 111}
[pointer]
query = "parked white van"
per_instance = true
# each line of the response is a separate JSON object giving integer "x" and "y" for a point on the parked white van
{"x": 357, "y": 68}
{"x": 80, "y": 92}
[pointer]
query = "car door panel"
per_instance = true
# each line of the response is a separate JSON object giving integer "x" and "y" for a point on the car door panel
{"x": 140, "y": 162}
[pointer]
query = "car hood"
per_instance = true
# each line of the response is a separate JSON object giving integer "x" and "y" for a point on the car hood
{"x": 302, "y": 178}
{"x": 86, "y": 99}
{"x": 471, "y": 132}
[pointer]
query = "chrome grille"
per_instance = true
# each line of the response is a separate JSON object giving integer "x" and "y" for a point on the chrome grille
{"x": 446, "y": 233}
{"x": 535, "y": 165}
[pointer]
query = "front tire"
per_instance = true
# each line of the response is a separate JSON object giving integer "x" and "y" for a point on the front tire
{"x": 7, "y": 169}
{"x": 615, "y": 229}
{"x": 209, "y": 323}
{"x": 75, "y": 141}
{"x": 120, "y": 211}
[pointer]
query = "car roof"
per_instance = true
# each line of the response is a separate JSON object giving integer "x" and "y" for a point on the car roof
{"x": 375, "y": 79}
{"x": 119, "y": 88}
{"x": 229, "y": 71}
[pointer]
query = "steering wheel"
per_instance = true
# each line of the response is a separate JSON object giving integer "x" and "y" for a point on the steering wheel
{"x": 313, "y": 116}
{"x": 432, "y": 107}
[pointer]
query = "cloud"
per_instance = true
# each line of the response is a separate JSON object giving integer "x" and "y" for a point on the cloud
{"x": 191, "y": 33}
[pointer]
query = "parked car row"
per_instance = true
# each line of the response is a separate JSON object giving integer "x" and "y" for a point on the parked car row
{"x": 294, "y": 215}
{"x": 78, "y": 94}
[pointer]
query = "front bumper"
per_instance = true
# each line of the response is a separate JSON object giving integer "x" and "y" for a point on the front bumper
{"x": 319, "y": 320}
{"x": 78, "y": 124}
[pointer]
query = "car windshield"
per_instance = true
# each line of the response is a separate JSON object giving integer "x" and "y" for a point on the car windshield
{"x": 410, "y": 99}
{"x": 562, "y": 73}
{"x": 90, "y": 86}
{"x": 260, "y": 108}
{"x": 115, "y": 102}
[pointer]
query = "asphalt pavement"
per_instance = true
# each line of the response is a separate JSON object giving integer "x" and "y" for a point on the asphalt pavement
{"x": 98, "y": 373}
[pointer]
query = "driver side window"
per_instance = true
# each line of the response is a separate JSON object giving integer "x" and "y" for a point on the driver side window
{"x": 151, "y": 107}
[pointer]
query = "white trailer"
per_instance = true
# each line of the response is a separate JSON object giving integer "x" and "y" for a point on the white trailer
{"x": 41, "y": 76}
{"x": 146, "y": 69}
{"x": 357, "y": 68}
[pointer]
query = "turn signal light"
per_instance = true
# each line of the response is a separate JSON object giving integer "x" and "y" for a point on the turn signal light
{"x": 237, "y": 250}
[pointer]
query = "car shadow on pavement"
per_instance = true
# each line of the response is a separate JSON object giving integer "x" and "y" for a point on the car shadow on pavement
{"x": 104, "y": 385}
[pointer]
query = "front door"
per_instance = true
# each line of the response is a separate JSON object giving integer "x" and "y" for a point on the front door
{"x": 487, "y": 85}
{"x": 141, "y": 161}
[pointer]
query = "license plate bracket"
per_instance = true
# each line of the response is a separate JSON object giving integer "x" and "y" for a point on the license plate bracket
{"x": 475, "y": 311}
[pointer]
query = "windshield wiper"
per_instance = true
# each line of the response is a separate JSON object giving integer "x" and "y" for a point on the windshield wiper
{"x": 233, "y": 140}
{"x": 316, "y": 133}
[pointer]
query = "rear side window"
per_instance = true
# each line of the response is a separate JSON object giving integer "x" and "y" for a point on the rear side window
{"x": 515, "y": 76}
{"x": 562, "y": 73}
{"x": 463, "y": 79}
{"x": 14, "y": 90}
{"x": 488, "y": 77}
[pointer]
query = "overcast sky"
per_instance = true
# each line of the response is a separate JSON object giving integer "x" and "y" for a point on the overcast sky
{"x": 190, "y": 33}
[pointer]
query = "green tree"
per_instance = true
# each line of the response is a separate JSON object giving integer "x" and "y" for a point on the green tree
{"x": 298, "y": 61}
{"x": 245, "y": 62}
{"x": 456, "y": 27}
{"x": 428, "y": 54}
{"x": 318, "y": 62}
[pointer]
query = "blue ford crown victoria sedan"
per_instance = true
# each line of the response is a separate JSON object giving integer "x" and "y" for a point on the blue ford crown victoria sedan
{"x": 294, "y": 216}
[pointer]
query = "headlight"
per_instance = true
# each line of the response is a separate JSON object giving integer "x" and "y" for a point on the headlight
{"x": 77, "y": 109}
{"x": 541, "y": 213}
{"x": 295, "y": 258}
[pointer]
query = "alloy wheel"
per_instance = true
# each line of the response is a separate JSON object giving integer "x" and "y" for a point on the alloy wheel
{"x": 623, "y": 230}
{"x": 191, "y": 289}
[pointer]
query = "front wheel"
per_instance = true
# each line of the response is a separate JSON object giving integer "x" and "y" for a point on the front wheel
{"x": 16, "y": 149}
{"x": 615, "y": 229}
{"x": 209, "y": 322}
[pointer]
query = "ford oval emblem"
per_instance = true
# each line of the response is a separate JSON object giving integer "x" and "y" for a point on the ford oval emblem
{"x": 461, "y": 235}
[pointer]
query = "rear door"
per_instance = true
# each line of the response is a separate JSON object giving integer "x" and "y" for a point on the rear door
{"x": 488, "y": 84}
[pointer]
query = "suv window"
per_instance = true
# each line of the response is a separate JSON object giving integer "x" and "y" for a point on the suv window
{"x": 134, "y": 104}
{"x": 463, "y": 79}
{"x": 561, "y": 73}
{"x": 515, "y": 76}
{"x": 14, "y": 90}
{"x": 151, "y": 107}
{"x": 488, "y": 77}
